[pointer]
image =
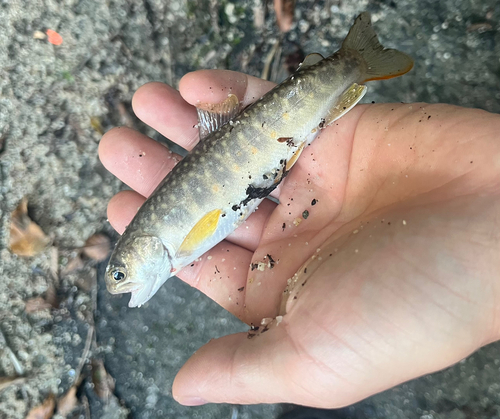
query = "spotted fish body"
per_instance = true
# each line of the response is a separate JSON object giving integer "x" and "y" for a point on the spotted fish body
{"x": 221, "y": 182}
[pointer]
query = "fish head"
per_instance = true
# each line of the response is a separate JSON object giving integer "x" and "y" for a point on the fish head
{"x": 140, "y": 266}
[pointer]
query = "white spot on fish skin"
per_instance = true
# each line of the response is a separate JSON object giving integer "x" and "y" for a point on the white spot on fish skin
{"x": 209, "y": 257}
{"x": 404, "y": 222}
{"x": 355, "y": 232}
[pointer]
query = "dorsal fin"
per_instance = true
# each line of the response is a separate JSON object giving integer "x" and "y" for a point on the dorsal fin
{"x": 310, "y": 60}
{"x": 213, "y": 116}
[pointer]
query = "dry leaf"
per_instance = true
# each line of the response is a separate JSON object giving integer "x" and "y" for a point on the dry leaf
{"x": 68, "y": 402}
{"x": 9, "y": 381}
{"x": 44, "y": 411}
{"x": 26, "y": 237}
{"x": 36, "y": 304}
{"x": 284, "y": 10}
{"x": 87, "y": 280}
{"x": 73, "y": 265}
{"x": 104, "y": 384}
{"x": 480, "y": 27}
{"x": 97, "y": 247}
{"x": 96, "y": 125}
{"x": 126, "y": 118}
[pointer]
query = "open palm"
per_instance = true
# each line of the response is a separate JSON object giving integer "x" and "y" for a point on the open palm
{"x": 395, "y": 211}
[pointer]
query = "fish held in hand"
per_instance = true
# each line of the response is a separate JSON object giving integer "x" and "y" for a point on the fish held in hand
{"x": 241, "y": 158}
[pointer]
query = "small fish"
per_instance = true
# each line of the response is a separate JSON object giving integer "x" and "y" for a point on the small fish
{"x": 241, "y": 158}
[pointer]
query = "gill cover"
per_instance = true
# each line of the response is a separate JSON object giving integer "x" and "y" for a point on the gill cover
{"x": 150, "y": 264}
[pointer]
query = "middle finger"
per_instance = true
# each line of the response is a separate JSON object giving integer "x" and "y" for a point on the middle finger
{"x": 136, "y": 159}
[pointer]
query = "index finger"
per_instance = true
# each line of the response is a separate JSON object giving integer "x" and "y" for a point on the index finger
{"x": 172, "y": 113}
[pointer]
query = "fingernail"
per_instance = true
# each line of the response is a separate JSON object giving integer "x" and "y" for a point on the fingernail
{"x": 191, "y": 401}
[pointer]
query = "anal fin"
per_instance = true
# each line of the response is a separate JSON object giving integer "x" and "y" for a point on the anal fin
{"x": 346, "y": 102}
{"x": 295, "y": 157}
{"x": 213, "y": 116}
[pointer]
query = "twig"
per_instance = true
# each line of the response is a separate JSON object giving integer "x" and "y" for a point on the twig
{"x": 85, "y": 354}
{"x": 13, "y": 359}
{"x": 85, "y": 402}
{"x": 269, "y": 60}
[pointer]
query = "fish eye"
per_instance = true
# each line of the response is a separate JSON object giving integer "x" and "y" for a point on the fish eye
{"x": 118, "y": 274}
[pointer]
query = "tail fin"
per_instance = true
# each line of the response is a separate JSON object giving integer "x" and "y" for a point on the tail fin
{"x": 381, "y": 63}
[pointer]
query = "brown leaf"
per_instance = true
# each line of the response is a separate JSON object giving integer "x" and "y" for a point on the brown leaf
{"x": 284, "y": 10}
{"x": 9, "y": 381}
{"x": 87, "y": 280}
{"x": 97, "y": 247}
{"x": 26, "y": 237}
{"x": 36, "y": 304}
{"x": 480, "y": 27}
{"x": 67, "y": 402}
{"x": 44, "y": 411}
{"x": 73, "y": 265}
{"x": 125, "y": 116}
{"x": 95, "y": 123}
{"x": 104, "y": 384}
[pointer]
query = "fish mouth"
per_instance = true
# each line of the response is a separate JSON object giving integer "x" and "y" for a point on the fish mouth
{"x": 123, "y": 288}
{"x": 142, "y": 294}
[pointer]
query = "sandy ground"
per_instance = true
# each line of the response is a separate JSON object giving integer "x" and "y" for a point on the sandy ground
{"x": 54, "y": 100}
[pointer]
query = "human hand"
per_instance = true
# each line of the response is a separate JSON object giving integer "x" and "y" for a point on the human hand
{"x": 408, "y": 207}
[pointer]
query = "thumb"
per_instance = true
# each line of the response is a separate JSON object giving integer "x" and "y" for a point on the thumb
{"x": 239, "y": 370}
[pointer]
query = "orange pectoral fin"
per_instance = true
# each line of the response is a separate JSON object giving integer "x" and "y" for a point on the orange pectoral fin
{"x": 199, "y": 233}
